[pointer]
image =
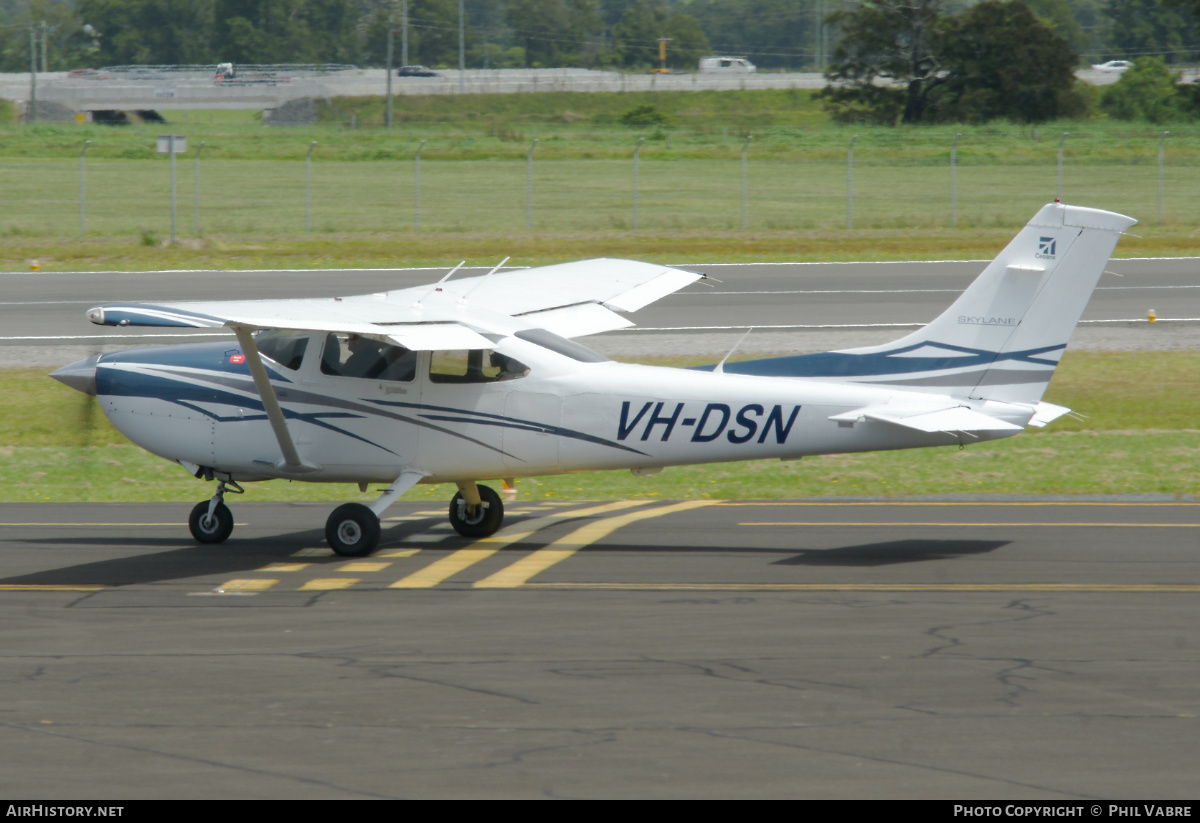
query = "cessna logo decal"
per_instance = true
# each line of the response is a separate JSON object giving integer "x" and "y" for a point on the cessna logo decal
{"x": 1046, "y": 248}
{"x": 715, "y": 420}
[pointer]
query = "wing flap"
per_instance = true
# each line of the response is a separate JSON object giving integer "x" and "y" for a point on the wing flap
{"x": 579, "y": 320}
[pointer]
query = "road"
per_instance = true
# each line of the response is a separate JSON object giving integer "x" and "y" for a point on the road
{"x": 987, "y": 650}
{"x": 794, "y": 307}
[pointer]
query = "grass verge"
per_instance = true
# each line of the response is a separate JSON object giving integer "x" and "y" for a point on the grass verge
{"x": 1142, "y": 436}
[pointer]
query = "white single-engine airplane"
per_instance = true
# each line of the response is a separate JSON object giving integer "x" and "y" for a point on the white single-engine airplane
{"x": 477, "y": 378}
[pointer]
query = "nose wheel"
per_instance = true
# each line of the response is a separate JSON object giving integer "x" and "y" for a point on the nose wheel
{"x": 211, "y": 521}
{"x": 479, "y": 519}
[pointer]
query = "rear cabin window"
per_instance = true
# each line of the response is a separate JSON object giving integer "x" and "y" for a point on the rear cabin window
{"x": 474, "y": 366}
{"x": 284, "y": 347}
{"x": 351, "y": 355}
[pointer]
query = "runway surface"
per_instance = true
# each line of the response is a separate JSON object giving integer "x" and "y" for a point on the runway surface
{"x": 793, "y": 307}
{"x": 975, "y": 649}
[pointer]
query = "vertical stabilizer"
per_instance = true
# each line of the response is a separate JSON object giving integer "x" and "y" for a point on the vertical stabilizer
{"x": 1003, "y": 337}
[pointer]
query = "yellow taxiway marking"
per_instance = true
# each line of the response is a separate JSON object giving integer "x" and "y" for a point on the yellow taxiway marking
{"x": 328, "y": 583}
{"x": 247, "y": 585}
{"x": 90, "y": 525}
{"x": 284, "y": 567}
{"x": 1098, "y": 524}
{"x": 850, "y": 504}
{"x": 397, "y": 552}
{"x": 363, "y": 567}
{"x": 313, "y": 553}
{"x": 47, "y": 587}
{"x": 527, "y": 567}
{"x": 464, "y": 558}
{"x": 879, "y": 587}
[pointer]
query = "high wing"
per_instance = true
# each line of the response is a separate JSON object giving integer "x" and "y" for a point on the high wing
{"x": 569, "y": 299}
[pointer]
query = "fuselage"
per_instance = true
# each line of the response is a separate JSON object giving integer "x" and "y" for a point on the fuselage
{"x": 556, "y": 411}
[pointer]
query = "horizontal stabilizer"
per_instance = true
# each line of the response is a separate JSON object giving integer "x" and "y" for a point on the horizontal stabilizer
{"x": 1047, "y": 413}
{"x": 952, "y": 419}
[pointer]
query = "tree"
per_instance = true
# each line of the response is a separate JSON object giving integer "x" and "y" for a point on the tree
{"x": 635, "y": 36}
{"x": 1151, "y": 27}
{"x": 772, "y": 33}
{"x": 165, "y": 32}
{"x": 884, "y": 44}
{"x": 1148, "y": 91}
{"x": 553, "y": 32}
{"x": 1002, "y": 61}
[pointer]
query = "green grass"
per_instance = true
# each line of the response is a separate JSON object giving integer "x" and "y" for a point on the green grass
{"x": 1142, "y": 435}
{"x": 473, "y": 173}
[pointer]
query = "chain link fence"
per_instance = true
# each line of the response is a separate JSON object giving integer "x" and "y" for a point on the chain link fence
{"x": 879, "y": 185}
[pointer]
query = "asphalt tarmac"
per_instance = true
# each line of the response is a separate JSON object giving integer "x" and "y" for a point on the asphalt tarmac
{"x": 983, "y": 650}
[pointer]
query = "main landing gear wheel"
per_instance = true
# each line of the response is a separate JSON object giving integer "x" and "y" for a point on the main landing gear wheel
{"x": 214, "y": 529}
{"x": 352, "y": 530}
{"x": 477, "y": 521}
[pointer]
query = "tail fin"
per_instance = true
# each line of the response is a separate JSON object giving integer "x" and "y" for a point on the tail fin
{"x": 1003, "y": 337}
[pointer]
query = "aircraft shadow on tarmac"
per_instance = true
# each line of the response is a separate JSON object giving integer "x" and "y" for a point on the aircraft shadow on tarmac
{"x": 892, "y": 552}
{"x": 182, "y": 559}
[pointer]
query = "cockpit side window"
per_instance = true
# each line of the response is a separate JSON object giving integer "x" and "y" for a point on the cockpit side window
{"x": 284, "y": 347}
{"x": 352, "y": 355}
{"x": 474, "y": 366}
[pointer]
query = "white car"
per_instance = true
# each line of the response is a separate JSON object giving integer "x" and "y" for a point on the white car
{"x": 1116, "y": 66}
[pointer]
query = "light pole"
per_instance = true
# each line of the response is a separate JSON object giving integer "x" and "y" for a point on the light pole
{"x": 83, "y": 189}
{"x": 462, "y": 49}
{"x": 404, "y": 28}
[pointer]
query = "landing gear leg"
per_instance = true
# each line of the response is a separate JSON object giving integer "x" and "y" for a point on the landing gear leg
{"x": 353, "y": 529}
{"x": 210, "y": 520}
{"x": 476, "y": 511}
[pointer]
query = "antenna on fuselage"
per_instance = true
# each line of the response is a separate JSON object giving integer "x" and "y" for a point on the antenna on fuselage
{"x": 720, "y": 368}
{"x": 462, "y": 301}
{"x": 435, "y": 286}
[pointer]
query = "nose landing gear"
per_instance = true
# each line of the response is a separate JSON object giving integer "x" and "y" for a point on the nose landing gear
{"x": 210, "y": 520}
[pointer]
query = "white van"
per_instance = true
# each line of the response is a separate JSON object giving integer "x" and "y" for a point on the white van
{"x": 726, "y": 65}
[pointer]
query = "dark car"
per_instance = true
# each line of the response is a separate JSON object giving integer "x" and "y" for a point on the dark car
{"x": 416, "y": 71}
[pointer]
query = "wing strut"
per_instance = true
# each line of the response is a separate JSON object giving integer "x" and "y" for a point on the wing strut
{"x": 291, "y": 458}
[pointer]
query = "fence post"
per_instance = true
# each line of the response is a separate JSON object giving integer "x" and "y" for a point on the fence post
{"x": 391, "y": 37}
{"x": 745, "y": 146}
{"x": 850, "y": 183}
{"x": 636, "y": 149}
{"x": 196, "y": 191}
{"x": 529, "y": 185}
{"x": 953, "y": 189}
{"x": 308, "y": 187}
{"x": 83, "y": 189}
{"x": 1161, "y": 140}
{"x": 171, "y": 152}
{"x": 1062, "y": 140}
{"x": 417, "y": 192}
